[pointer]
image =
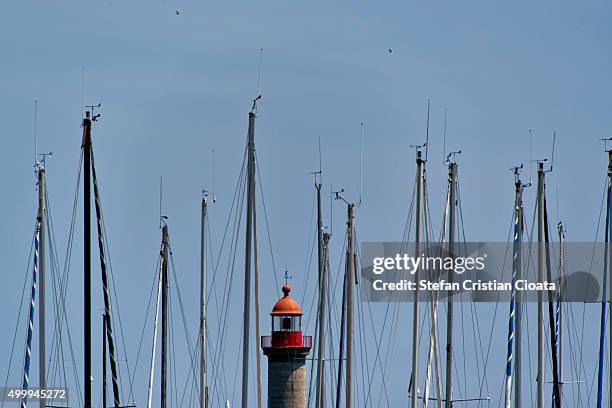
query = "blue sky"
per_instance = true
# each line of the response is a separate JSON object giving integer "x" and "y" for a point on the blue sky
{"x": 174, "y": 87}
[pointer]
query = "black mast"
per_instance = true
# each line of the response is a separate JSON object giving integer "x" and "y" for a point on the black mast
{"x": 104, "y": 322}
{"x": 86, "y": 146}
{"x": 164, "y": 350}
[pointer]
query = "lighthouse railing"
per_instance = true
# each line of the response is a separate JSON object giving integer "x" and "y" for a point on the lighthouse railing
{"x": 286, "y": 339}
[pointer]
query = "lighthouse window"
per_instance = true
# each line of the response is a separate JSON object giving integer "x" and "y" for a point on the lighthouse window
{"x": 286, "y": 323}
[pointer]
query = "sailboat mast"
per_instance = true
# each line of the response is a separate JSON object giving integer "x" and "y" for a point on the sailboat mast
{"x": 104, "y": 360}
{"x": 606, "y": 265}
{"x": 247, "y": 258}
{"x": 350, "y": 274}
{"x": 559, "y": 311}
{"x": 86, "y": 146}
{"x": 154, "y": 346}
{"x": 165, "y": 304}
{"x": 322, "y": 247}
{"x": 607, "y": 282}
{"x": 452, "y": 180}
{"x": 518, "y": 306}
{"x": 540, "y": 320}
{"x": 342, "y": 338}
{"x": 415, "y": 316}
{"x": 203, "y": 383}
{"x": 514, "y": 323}
{"x": 41, "y": 279}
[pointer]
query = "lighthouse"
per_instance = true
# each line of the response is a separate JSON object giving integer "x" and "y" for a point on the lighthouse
{"x": 286, "y": 350}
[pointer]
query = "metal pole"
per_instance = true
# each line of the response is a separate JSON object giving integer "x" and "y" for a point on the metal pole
{"x": 256, "y": 293}
{"x": 350, "y": 273}
{"x": 104, "y": 360}
{"x": 518, "y": 307}
{"x": 610, "y": 287}
{"x": 41, "y": 280}
{"x": 551, "y": 315}
{"x": 452, "y": 180}
{"x": 415, "y": 315}
{"x": 322, "y": 247}
{"x": 602, "y": 333}
{"x": 540, "y": 320}
{"x": 153, "y": 348}
{"x": 559, "y": 312}
{"x": 86, "y": 146}
{"x": 247, "y": 260}
{"x": 342, "y": 336}
{"x": 203, "y": 383}
{"x": 165, "y": 304}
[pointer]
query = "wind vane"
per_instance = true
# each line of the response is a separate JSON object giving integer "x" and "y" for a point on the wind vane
{"x": 287, "y": 277}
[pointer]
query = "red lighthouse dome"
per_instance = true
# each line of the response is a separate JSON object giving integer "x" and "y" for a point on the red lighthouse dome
{"x": 286, "y": 306}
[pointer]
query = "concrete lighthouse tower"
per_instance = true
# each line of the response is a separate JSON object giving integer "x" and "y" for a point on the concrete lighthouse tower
{"x": 286, "y": 349}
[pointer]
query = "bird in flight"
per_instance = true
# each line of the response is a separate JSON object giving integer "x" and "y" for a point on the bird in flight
{"x": 177, "y": 12}
{"x": 390, "y": 50}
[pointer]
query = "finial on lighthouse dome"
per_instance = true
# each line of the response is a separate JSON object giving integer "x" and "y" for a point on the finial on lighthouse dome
{"x": 286, "y": 306}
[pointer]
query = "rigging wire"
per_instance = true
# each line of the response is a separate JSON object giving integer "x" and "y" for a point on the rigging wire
{"x": 62, "y": 283}
{"x": 263, "y": 202}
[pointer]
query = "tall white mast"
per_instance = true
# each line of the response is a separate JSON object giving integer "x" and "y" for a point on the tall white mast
{"x": 248, "y": 252}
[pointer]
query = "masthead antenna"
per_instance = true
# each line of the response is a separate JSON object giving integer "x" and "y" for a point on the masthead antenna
{"x": 82, "y": 91}
{"x": 214, "y": 195}
{"x": 552, "y": 155}
{"x": 259, "y": 72}
{"x": 361, "y": 167}
{"x": 530, "y": 156}
{"x": 254, "y": 108}
{"x": 444, "y": 138}
{"x": 161, "y": 189}
{"x": 35, "y": 132}
{"x": 318, "y": 173}
{"x": 331, "y": 209}
{"x": 320, "y": 158}
{"x": 427, "y": 132}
